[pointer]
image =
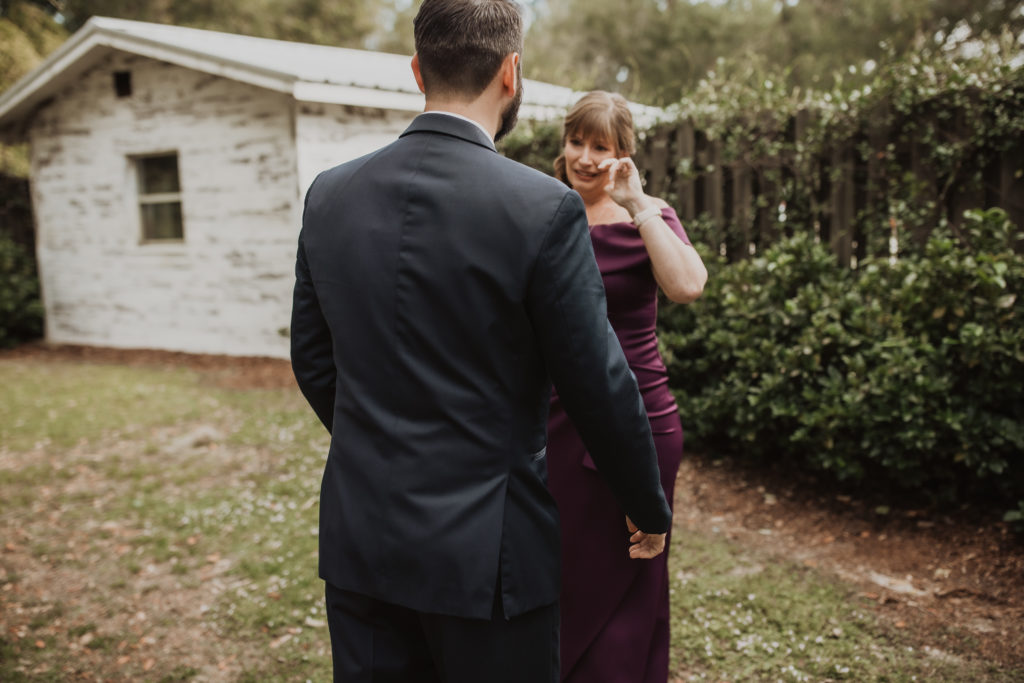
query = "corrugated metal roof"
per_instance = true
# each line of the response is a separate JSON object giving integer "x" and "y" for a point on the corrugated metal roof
{"x": 316, "y": 73}
{"x": 299, "y": 61}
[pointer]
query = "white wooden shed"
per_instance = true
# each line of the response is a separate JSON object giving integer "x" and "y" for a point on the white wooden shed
{"x": 168, "y": 169}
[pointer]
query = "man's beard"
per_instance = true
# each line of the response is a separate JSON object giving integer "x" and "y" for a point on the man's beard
{"x": 510, "y": 117}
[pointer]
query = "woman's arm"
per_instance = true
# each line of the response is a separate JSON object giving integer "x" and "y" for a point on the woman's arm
{"x": 678, "y": 268}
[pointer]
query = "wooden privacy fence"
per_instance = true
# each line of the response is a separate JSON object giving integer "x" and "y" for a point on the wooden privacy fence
{"x": 856, "y": 195}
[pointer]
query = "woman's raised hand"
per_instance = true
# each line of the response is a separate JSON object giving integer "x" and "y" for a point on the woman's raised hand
{"x": 624, "y": 186}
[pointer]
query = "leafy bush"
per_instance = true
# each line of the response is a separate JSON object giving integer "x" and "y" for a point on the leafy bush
{"x": 21, "y": 310}
{"x": 906, "y": 374}
{"x": 534, "y": 143}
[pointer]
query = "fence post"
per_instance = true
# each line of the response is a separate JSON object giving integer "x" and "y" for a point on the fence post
{"x": 877, "y": 236}
{"x": 1011, "y": 184}
{"x": 927, "y": 180}
{"x": 656, "y": 161}
{"x": 964, "y": 193}
{"x": 804, "y": 204}
{"x": 739, "y": 239}
{"x": 684, "y": 181}
{"x": 841, "y": 205}
{"x": 713, "y": 191}
{"x": 767, "y": 197}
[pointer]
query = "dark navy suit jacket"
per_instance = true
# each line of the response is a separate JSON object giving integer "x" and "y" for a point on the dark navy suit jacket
{"x": 440, "y": 288}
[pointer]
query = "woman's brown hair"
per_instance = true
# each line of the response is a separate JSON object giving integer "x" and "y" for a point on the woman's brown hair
{"x": 601, "y": 115}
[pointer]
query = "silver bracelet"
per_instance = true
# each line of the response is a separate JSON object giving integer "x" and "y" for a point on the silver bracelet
{"x": 645, "y": 215}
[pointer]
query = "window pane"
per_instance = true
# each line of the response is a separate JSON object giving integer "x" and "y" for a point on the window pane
{"x": 162, "y": 221}
{"x": 159, "y": 174}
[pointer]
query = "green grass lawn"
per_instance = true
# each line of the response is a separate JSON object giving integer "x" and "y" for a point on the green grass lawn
{"x": 156, "y": 527}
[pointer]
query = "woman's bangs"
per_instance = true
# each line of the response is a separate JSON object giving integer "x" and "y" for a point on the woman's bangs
{"x": 594, "y": 123}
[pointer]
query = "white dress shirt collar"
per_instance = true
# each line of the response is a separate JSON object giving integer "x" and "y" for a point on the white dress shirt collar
{"x": 479, "y": 125}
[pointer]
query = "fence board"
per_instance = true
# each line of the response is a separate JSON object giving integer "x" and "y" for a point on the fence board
{"x": 1011, "y": 184}
{"x": 657, "y": 162}
{"x": 739, "y": 247}
{"x": 686, "y": 150}
{"x": 841, "y": 205}
{"x": 714, "y": 190}
{"x": 842, "y": 196}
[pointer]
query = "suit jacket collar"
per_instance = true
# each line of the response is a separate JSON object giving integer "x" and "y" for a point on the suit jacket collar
{"x": 429, "y": 122}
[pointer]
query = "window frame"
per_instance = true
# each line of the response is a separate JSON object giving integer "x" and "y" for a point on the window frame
{"x": 143, "y": 199}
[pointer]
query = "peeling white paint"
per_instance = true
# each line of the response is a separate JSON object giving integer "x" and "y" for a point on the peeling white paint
{"x": 246, "y": 156}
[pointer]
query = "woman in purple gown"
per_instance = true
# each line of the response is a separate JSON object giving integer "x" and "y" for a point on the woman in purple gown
{"x": 615, "y": 613}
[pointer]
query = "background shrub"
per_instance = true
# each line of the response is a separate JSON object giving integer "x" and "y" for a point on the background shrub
{"x": 906, "y": 375}
{"x": 534, "y": 143}
{"x": 21, "y": 310}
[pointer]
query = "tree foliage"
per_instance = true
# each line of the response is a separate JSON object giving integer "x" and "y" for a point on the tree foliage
{"x": 329, "y": 23}
{"x": 655, "y": 50}
{"x": 28, "y": 33}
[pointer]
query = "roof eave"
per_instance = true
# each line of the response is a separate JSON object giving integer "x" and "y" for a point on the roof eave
{"x": 22, "y": 97}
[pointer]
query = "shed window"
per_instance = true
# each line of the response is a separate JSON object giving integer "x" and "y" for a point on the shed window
{"x": 123, "y": 83}
{"x": 160, "y": 198}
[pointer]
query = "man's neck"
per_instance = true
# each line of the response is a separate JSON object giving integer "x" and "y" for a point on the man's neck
{"x": 476, "y": 111}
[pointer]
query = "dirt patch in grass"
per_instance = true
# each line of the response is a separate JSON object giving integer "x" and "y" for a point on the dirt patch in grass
{"x": 230, "y": 372}
{"x": 951, "y": 581}
{"x": 89, "y": 594}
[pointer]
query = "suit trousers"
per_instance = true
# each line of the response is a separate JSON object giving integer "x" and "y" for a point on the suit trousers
{"x": 378, "y": 642}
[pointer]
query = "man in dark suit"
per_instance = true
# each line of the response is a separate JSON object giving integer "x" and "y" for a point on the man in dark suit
{"x": 439, "y": 289}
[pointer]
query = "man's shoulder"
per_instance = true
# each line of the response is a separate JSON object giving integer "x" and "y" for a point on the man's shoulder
{"x": 352, "y": 166}
{"x": 531, "y": 178}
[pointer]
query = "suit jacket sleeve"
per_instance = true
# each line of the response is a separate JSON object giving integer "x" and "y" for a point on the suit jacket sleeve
{"x": 567, "y": 306}
{"x": 312, "y": 349}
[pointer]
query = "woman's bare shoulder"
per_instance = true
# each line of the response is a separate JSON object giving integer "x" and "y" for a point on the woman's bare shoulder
{"x": 659, "y": 202}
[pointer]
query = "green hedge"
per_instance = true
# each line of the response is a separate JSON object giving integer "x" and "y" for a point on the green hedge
{"x": 905, "y": 375}
{"x": 534, "y": 143}
{"x": 21, "y": 310}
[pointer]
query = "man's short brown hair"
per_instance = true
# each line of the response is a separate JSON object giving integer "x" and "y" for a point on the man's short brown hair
{"x": 462, "y": 43}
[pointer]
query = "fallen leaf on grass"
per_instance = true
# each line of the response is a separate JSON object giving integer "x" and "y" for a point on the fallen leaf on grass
{"x": 122, "y": 660}
{"x": 148, "y": 664}
{"x": 278, "y": 642}
{"x": 40, "y": 644}
{"x": 896, "y": 585}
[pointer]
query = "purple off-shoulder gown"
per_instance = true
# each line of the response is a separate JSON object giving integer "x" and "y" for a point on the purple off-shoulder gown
{"x": 615, "y": 617}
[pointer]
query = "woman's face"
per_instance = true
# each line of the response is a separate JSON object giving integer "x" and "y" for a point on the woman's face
{"x": 583, "y": 155}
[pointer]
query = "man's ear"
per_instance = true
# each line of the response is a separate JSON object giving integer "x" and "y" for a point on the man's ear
{"x": 417, "y": 74}
{"x": 509, "y": 71}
